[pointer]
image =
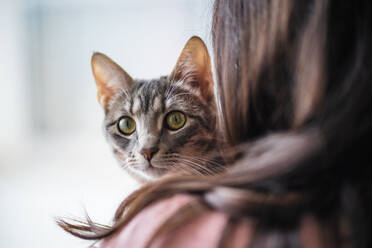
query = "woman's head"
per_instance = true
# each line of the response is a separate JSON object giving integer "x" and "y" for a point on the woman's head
{"x": 298, "y": 69}
{"x": 295, "y": 77}
{"x": 287, "y": 65}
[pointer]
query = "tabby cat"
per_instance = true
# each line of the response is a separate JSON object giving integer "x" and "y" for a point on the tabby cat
{"x": 161, "y": 125}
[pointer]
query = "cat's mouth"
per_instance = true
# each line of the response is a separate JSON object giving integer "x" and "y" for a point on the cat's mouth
{"x": 153, "y": 166}
{"x": 153, "y": 171}
{"x": 148, "y": 170}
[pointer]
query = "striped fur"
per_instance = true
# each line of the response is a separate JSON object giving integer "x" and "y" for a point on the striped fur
{"x": 184, "y": 150}
{"x": 189, "y": 89}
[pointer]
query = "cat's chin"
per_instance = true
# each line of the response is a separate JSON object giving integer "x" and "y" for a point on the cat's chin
{"x": 149, "y": 174}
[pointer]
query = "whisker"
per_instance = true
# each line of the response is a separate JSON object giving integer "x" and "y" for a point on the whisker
{"x": 196, "y": 166}
{"x": 206, "y": 160}
{"x": 183, "y": 165}
{"x": 202, "y": 159}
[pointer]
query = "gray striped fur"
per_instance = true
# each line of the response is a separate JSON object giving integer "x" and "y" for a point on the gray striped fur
{"x": 186, "y": 150}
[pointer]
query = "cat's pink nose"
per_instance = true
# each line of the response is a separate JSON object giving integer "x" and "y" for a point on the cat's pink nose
{"x": 148, "y": 153}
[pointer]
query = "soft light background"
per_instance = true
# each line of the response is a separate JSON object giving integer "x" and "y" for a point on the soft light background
{"x": 53, "y": 158}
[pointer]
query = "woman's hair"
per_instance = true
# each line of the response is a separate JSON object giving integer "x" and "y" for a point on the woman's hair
{"x": 294, "y": 85}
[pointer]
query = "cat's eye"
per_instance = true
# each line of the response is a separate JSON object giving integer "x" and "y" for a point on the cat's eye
{"x": 175, "y": 120}
{"x": 126, "y": 125}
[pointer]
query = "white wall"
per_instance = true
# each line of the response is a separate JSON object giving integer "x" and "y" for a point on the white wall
{"x": 53, "y": 158}
{"x": 12, "y": 74}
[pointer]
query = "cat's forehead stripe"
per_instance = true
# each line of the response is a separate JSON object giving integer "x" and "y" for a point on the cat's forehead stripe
{"x": 136, "y": 106}
{"x": 127, "y": 106}
{"x": 160, "y": 95}
{"x": 157, "y": 103}
{"x": 146, "y": 102}
{"x": 147, "y": 96}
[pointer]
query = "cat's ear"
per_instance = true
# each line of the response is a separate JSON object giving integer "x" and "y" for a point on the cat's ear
{"x": 109, "y": 77}
{"x": 194, "y": 67}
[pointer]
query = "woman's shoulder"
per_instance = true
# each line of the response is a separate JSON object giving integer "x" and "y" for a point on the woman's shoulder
{"x": 202, "y": 231}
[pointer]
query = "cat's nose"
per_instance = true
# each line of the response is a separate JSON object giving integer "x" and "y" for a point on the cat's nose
{"x": 148, "y": 153}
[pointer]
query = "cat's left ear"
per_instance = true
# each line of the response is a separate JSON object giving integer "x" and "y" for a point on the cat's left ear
{"x": 109, "y": 77}
{"x": 194, "y": 67}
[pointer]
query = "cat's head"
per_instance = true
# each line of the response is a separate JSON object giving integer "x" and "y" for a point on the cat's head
{"x": 160, "y": 125}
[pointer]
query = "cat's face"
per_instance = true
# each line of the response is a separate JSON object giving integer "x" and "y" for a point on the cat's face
{"x": 162, "y": 125}
{"x": 155, "y": 128}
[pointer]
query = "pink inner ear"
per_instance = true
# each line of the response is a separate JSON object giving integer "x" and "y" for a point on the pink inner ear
{"x": 193, "y": 67}
{"x": 109, "y": 77}
{"x": 104, "y": 94}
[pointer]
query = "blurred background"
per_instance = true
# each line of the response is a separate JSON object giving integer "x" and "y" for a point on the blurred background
{"x": 53, "y": 158}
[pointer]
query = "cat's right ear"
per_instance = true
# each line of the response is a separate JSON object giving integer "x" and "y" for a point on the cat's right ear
{"x": 109, "y": 77}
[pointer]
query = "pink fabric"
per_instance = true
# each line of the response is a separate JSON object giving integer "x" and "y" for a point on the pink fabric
{"x": 205, "y": 231}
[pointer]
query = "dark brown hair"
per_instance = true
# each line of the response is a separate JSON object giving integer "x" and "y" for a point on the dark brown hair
{"x": 295, "y": 93}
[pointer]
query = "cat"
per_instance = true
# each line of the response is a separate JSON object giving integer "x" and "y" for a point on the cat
{"x": 164, "y": 125}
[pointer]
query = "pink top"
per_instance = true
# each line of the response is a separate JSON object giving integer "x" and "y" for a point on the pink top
{"x": 204, "y": 231}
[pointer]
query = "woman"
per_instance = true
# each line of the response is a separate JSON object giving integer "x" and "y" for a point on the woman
{"x": 294, "y": 85}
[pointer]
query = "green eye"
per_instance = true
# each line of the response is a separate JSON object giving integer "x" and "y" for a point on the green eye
{"x": 175, "y": 120}
{"x": 126, "y": 125}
